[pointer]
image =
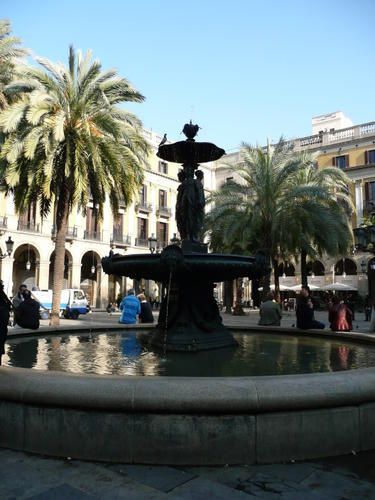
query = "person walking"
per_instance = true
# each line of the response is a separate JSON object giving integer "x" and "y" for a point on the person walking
{"x": 5, "y": 308}
{"x": 28, "y": 312}
{"x": 130, "y": 307}
{"x": 146, "y": 315}
{"x": 340, "y": 316}
{"x": 270, "y": 311}
{"x": 305, "y": 311}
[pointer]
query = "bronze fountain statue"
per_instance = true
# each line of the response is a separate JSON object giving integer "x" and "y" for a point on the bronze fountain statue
{"x": 189, "y": 318}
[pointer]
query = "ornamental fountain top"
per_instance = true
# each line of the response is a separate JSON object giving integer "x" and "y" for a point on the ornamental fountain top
{"x": 189, "y": 318}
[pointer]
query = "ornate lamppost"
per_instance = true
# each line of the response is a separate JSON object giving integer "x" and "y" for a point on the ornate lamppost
{"x": 9, "y": 244}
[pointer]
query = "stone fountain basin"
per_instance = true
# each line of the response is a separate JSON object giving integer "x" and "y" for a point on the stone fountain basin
{"x": 197, "y": 421}
{"x": 211, "y": 267}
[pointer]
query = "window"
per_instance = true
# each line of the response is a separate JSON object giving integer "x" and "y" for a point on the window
{"x": 163, "y": 167}
{"x": 341, "y": 161}
{"x": 118, "y": 226}
{"x": 162, "y": 233}
{"x": 162, "y": 198}
{"x": 143, "y": 195}
{"x": 142, "y": 229}
{"x": 370, "y": 156}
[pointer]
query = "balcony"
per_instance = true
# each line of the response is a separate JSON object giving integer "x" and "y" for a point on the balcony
{"x": 141, "y": 242}
{"x": 164, "y": 212}
{"x": 143, "y": 206}
{"x": 71, "y": 233}
{"x": 92, "y": 235}
{"x": 29, "y": 226}
{"x": 120, "y": 240}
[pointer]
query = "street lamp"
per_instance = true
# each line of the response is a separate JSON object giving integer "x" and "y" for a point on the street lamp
{"x": 9, "y": 244}
{"x": 175, "y": 240}
{"x": 152, "y": 243}
{"x": 93, "y": 264}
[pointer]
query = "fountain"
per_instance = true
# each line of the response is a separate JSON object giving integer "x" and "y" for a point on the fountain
{"x": 193, "y": 418}
{"x": 189, "y": 318}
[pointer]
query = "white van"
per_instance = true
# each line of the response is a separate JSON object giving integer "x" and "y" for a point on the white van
{"x": 73, "y": 302}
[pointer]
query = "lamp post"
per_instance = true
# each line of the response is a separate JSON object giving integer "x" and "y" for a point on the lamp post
{"x": 175, "y": 240}
{"x": 153, "y": 243}
{"x": 364, "y": 238}
{"x": 9, "y": 244}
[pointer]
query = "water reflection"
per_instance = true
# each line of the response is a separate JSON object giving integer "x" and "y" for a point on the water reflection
{"x": 128, "y": 354}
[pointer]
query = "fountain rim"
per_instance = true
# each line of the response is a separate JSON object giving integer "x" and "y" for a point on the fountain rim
{"x": 232, "y": 394}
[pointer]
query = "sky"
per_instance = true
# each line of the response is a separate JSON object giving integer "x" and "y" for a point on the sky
{"x": 243, "y": 70}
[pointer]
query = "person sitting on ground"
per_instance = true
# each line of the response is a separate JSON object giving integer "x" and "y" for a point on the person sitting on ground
{"x": 305, "y": 311}
{"x": 28, "y": 312}
{"x": 340, "y": 316}
{"x": 130, "y": 307}
{"x": 270, "y": 311}
{"x": 146, "y": 315}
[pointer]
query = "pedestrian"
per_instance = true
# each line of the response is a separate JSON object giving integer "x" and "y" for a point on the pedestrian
{"x": 130, "y": 307}
{"x": 340, "y": 316}
{"x": 372, "y": 320}
{"x": 28, "y": 312}
{"x": 17, "y": 300}
{"x": 146, "y": 315}
{"x": 305, "y": 311}
{"x": 367, "y": 308}
{"x": 110, "y": 308}
{"x": 270, "y": 311}
{"x": 5, "y": 308}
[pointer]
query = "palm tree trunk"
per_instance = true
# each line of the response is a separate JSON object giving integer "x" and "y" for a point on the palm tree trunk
{"x": 275, "y": 265}
{"x": 58, "y": 271}
{"x": 303, "y": 268}
{"x": 238, "y": 309}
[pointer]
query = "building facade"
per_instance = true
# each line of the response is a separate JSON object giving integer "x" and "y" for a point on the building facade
{"x": 352, "y": 149}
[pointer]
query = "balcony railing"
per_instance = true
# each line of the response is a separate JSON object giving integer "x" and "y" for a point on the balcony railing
{"x": 92, "y": 235}
{"x": 71, "y": 233}
{"x": 141, "y": 242}
{"x": 120, "y": 239}
{"x": 143, "y": 206}
{"x": 30, "y": 226}
{"x": 335, "y": 136}
{"x": 164, "y": 212}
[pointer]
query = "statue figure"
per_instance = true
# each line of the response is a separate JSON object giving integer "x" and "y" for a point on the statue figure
{"x": 190, "y": 205}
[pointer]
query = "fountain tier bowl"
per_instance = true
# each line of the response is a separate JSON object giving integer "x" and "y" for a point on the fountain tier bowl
{"x": 189, "y": 420}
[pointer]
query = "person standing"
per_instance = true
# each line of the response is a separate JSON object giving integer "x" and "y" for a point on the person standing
{"x": 146, "y": 315}
{"x": 17, "y": 300}
{"x": 340, "y": 316}
{"x": 28, "y": 312}
{"x": 130, "y": 307}
{"x": 270, "y": 311}
{"x": 5, "y": 307}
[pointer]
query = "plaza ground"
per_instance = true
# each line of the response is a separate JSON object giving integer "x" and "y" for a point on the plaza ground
{"x": 27, "y": 476}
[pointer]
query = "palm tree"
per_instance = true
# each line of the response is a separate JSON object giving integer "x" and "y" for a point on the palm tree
{"x": 9, "y": 53}
{"x": 271, "y": 208}
{"x": 68, "y": 142}
{"x": 322, "y": 223}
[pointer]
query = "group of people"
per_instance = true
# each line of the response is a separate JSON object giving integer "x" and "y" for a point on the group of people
{"x": 133, "y": 307}
{"x": 25, "y": 312}
{"x": 340, "y": 316}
